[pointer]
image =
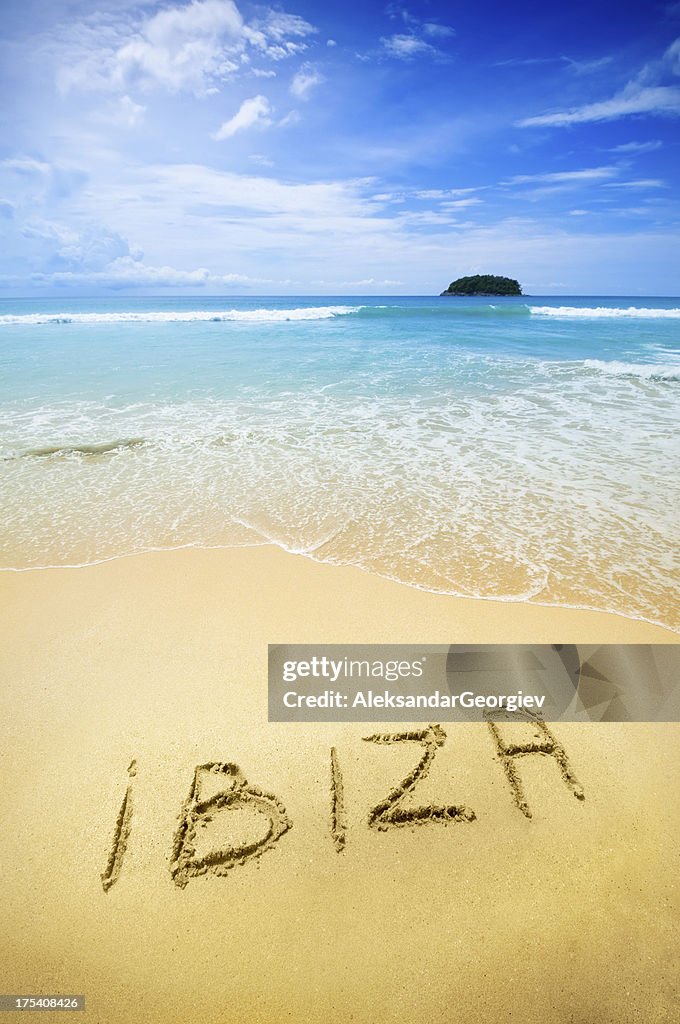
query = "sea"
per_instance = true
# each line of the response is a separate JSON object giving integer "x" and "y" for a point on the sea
{"x": 515, "y": 449}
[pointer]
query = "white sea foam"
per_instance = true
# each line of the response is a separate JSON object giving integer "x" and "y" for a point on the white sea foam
{"x": 557, "y": 494}
{"x": 600, "y": 312}
{"x": 182, "y": 316}
{"x": 646, "y": 371}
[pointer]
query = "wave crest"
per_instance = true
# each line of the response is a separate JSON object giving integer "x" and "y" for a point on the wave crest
{"x": 598, "y": 312}
{"x": 645, "y": 371}
{"x": 179, "y": 316}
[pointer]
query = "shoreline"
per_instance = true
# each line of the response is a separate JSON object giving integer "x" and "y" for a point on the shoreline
{"x": 600, "y": 618}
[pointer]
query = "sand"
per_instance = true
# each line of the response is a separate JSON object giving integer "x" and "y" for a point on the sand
{"x": 120, "y": 679}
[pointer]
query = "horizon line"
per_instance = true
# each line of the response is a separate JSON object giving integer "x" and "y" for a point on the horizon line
{"x": 342, "y": 295}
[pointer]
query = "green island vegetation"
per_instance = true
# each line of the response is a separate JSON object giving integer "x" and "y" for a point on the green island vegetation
{"x": 483, "y": 284}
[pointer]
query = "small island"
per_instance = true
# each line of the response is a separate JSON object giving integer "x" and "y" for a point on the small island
{"x": 483, "y": 284}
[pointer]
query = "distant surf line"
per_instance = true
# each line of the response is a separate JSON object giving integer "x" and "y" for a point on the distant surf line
{"x": 598, "y": 312}
{"x": 179, "y": 316}
{"x": 447, "y": 309}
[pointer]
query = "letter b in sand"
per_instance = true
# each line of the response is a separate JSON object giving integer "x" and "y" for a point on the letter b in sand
{"x": 220, "y": 804}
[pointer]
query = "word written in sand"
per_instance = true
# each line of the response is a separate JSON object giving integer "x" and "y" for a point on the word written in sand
{"x": 219, "y": 787}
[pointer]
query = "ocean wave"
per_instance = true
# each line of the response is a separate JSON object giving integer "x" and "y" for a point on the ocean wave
{"x": 645, "y": 371}
{"x": 597, "y": 312}
{"x": 179, "y": 316}
{"x": 102, "y": 448}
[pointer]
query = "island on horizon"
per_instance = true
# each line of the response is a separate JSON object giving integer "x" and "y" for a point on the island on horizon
{"x": 483, "y": 284}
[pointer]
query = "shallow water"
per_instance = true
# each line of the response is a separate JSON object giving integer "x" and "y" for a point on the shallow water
{"x": 523, "y": 449}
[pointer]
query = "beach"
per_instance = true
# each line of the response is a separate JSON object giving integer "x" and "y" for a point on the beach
{"x": 339, "y": 491}
{"x": 184, "y": 484}
{"x": 122, "y": 677}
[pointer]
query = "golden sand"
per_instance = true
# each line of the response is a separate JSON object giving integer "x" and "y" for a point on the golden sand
{"x": 120, "y": 679}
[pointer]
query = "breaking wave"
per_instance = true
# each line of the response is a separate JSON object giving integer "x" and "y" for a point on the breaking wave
{"x": 181, "y": 317}
{"x": 598, "y": 312}
{"x": 645, "y": 371}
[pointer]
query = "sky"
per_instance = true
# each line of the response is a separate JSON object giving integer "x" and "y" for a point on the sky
{"x": 220, "y": 148}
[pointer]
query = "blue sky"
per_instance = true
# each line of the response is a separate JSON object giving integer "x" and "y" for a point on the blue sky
{"x": 212, "y": 147}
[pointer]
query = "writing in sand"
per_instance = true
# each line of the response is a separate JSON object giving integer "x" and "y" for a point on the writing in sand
{"x": 219, "y": 787}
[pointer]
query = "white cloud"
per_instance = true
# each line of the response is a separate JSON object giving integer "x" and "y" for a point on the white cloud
{"x": 304, "y": 81}
{"x": 185, "y": 182}
{"x": 329, "y": 230}
{"x": 25, "y": 166}
{"x": 586, "y": 67}
{"x": 29, "y": 183}
{"x": 642, "y": 95}
{"x": 252, "y": 112}
{"x": 442, "y": 193}
{"x": 431, "y": 28}
{"x": 460, "y": 204}
{"x": 520, "y": 62}
{"x": 292, "y": 117}
{"x": 48, "y": 245}
{"x": 278, "y": 35}
{"x": 179, "y": 48}
{"x": 672, "y": 56}
{"x": 261, "y": 159}
{"x": 634, "y": 99}
{"x": 50, "y": 231}
{"x": 563, "y": 177}
{"x": 278, "y": 25}
{"x": 406, "y": 47}
{"x": 124, "y": 113}
{"x": 418, "y": 219}
{"x": 126, "y": 272}
{"x": 631, "y": 211}
{"x": 199, "y": 210}
{"x": 637, "y": 147}
{"x": 366, "y": 282}
{"x": 638, "y": 183}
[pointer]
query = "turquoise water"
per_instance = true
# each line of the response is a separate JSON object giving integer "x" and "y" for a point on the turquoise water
{"x": 523, "y": 449}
